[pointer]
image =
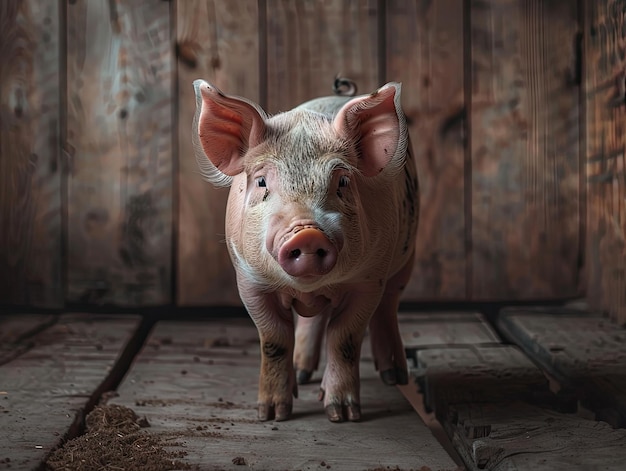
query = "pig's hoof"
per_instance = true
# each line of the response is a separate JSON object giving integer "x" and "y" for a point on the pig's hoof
{"x": 395, "y": 376}
{"x": 280, "y": 412}
{"x": 303, "y": 376}
{"x": 339, "y": 413}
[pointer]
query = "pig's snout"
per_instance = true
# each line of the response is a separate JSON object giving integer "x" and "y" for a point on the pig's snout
{"x": 308, "y": 253}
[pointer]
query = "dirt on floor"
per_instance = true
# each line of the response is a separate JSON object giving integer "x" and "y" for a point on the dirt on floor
{"x": 114, "y": 440}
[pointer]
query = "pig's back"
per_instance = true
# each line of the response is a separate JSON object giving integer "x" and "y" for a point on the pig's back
{"x": 328, "y": 105}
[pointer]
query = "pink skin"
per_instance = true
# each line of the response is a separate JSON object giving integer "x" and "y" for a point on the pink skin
{"x": 315, "y": 228}
{"x": 308, "y": 252}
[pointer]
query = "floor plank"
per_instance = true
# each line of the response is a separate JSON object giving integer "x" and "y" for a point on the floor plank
{"x": 197, "y": 381}
{"x": 44, "y": 390}
{"x": 421, "y": 330}
{"x": 498, "y": 409}
{"x": 16, "y": 331}
{"x": 511, "y": 436}
{"x": 585, "y": 352}
{"x": 478, "y": 374}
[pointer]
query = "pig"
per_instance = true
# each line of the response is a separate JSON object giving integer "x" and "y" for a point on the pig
{"x": 321, "y": 221}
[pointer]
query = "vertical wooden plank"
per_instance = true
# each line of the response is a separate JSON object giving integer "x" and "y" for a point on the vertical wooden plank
{"x": 119, "y": 140}
{"x": 525, "y": 149}
{"x": 309, "y": 42}
{"x": 30, "y": 175}
{"x": 605, "y": 85}
{"x": 217, "y": 41}
{"x": 425, "y": 53}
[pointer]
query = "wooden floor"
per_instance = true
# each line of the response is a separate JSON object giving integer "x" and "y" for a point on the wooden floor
{"x": 541, "y": 389}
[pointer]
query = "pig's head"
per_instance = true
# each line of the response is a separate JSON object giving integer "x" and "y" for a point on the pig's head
{"x": 297, "y": 177}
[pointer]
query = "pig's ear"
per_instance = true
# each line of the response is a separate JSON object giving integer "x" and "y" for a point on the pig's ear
{"x": 224, "y": 128}
{"x": 378, "y": 126}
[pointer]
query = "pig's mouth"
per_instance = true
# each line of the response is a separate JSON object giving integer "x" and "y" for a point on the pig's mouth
{"x": 306, "y": 252}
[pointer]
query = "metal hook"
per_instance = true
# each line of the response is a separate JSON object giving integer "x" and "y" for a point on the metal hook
{"x": 344, "y": 86}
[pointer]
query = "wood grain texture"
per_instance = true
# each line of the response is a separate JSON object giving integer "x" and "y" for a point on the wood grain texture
{"x": 424, "y": 330}
{"x": 198, "y": 382}
{"x": 16, "y": 332}
{"x": 524, "y": 150}
{"x": 119, "y": 142}
{"x": 515, "y": 436}
{"x": 605, "y": 85}
{"x": 30, "y": 174}
{"x": 218, "y": 42}
{"x": 471, "y": 373}
{"x": 44, "y": 390}
{"x": 425, "y": 52}
{"x": 309, "y": 42}
{"x": 500, "y": 414}
{"x": 584, "y": 352}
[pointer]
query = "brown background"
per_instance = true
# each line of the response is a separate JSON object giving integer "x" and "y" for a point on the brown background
{"x": 516, "y": 110}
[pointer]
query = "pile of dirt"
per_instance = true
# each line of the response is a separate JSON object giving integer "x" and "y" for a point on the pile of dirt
{"x": 114, "y": 440}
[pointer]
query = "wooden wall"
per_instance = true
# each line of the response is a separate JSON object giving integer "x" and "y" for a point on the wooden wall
{"x": 101, "y": 203}
{"x": 605, "y": 156}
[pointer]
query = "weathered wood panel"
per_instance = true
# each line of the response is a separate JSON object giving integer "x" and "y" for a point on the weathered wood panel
{"x": 119, "y": 142}
{"x": 425, "y": 52}
{"x": 218, "y": 42}
{"x": 309, "y": 42}
{"x": 16, "y": 330}
{"x": 524, "y": 149}
{"x": 44, "y": 391}
{"x": 198, "y": 382}
{"x": 584, "y": 352}
{"x": 435, "y": 329}
{"x": 471, "y": 373}
{"x": 487, "y": 398}
{"x": 30, "y": 171}
{"x": 605, "y": 85}
{"x": 515, "y": 436}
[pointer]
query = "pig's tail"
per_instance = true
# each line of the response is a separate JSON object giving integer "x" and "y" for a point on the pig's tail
{"x": 344, "y": 86}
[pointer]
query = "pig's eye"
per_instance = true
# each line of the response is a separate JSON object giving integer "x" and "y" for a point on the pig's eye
{"x": 260, "y": 182}
{"x": 343, "y": 181}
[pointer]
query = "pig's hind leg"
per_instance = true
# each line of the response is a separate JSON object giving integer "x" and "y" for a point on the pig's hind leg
{"x": 387, "y": 348}
{"x": 309, "y": 337}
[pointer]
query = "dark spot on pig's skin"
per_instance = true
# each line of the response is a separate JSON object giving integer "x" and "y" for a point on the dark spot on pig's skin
{"x": 266, "y": 194}
{"x": 348, "y": 350}
{"x": 273, "y": 351}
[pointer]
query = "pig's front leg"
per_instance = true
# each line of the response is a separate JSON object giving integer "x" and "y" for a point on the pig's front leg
{"x": 277, "y": 382}
{"x": 341, "y": 386}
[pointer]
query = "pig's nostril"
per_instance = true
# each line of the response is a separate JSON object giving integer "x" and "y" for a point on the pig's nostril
{"x": 307, "y": 253}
